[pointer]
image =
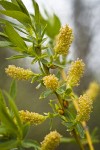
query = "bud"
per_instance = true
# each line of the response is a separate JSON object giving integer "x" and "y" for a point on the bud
{"x": 31, "y": 117}
{"x": 18, "y": 73}
{"x": 51, "y": 81}
{"x": 64, "y": 40}
{"x": 75, "y": 73}
{"x": 61, "y": 111}
{"x": 51, "y": 141}
{"x": 93, "y": 90}
{"x": 85, "y": 107}
{"x": 65, "y": 104}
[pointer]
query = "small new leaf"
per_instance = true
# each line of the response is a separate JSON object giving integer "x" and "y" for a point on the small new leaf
{"x": 5, "y": 44}
{"x": 45, "y": 94}
{"x": 13, "y": 89}
{"x": 80, "y": 130}
{"x": 16, "y": 57}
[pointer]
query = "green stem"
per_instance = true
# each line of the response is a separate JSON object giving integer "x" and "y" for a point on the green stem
{"x": 41, "y": 67}
{"x": 60, "y": 100}
{"x": 77, "y": 139}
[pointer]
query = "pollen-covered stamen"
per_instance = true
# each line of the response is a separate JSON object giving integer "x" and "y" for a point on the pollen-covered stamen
{"x": 85, "y": 108}
{"x": 75, "y": 72}
{"x": 18, "y": 73}
{"x": 51, "y": 81}
{"x": 31, "y": 117}
{"x": 51, "y": 141}
{"x": 64, "y": 40}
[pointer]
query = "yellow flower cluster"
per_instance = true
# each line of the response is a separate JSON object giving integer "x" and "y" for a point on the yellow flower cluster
{"x": 18, "y": 73}
{"x": 75, "y": 73}
{"x": 51, "y": 81}
{"x": 64, "y": 40}
{"x": 31, "y": 117}
{"x": 93, "y": 90}
{"x": 85, "y": 107}
{"x": 51, "y": 141}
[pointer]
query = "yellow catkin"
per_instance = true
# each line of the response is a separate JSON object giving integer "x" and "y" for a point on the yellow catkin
{"x": 64, "y": 40}
{"x": 75, "y": 73}
{"x": 84, "y": 108}
{"x": 51, "y": 81}
{"x": 18, "y": 73}
{"x": 31, "y": 117}
{"x": 51, "y": 141}
{"x": 93, "y": 90}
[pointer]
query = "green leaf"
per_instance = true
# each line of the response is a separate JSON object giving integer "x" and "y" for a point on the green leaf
{"x": 19, "y": 27}
{"x": 16, "y": 57}
{"x": 35, "y": 78}
{"x": 15, "y": 37}
{"x": 3, "y": 35}
{"x": 7, "y": 120}
{"x": 15, "y": 111}
{"x": 13, "y": 89}
{"x": 49, "y": 52}
{"x": 37, "y": 16}
{"x": 51, "y": 103}
{"x": 30, "y": 143}
{"x": 22, "y": 7}
{"x": 69, "y": 125}
{"x": 25, "y": 129}
{"x": 44, "y": 30}
{"x": 80, "y": 130}
{"x": 2, "y": 99}
{"x": 3, "y": 130}
{"x": 20, "y": 16}
{"x": 5, "y": 44}
{"x": 68, "y": 91}
{"x": 37, "y": 19}
{"x": 53, "y": 24}
{"x": 2, "y": 21}
{"x": 34, "y": 60}
{"x": 9, "y": 6}
{"x": 8, "y": 145}
{"x": 45, "y": 94}
{"x": 59, "y": 65}
{"x": 60, "y": 91}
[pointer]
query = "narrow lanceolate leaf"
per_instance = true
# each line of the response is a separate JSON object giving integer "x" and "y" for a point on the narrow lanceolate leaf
{"x": 16, "y": 57}
{"x": 14, "y": 2}
{"x": 20, "y": 16}
{"x": 30, "y": 143}
{"x": 15, "y": 37}
{"x": 59, "y": 65}
{"x": 8, "y": 145}
{"x": 15, "y": 111}
{"x": 37, "y": 18}
{"x": 22, "y": 7}
{"x": 3, "y": 130}
{"x": 9, "y": 6}
{"x": 3, "y": 35}
{"x": 13, "y": 89}
{"x": 7, "y": 120}
{"x": 2, "y": 98}
{"x": 5, "y": 44}
{"x": 45, "y": 94}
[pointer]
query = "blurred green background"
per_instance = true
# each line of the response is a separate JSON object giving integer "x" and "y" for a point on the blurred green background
{"x": 83, "y": 17}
